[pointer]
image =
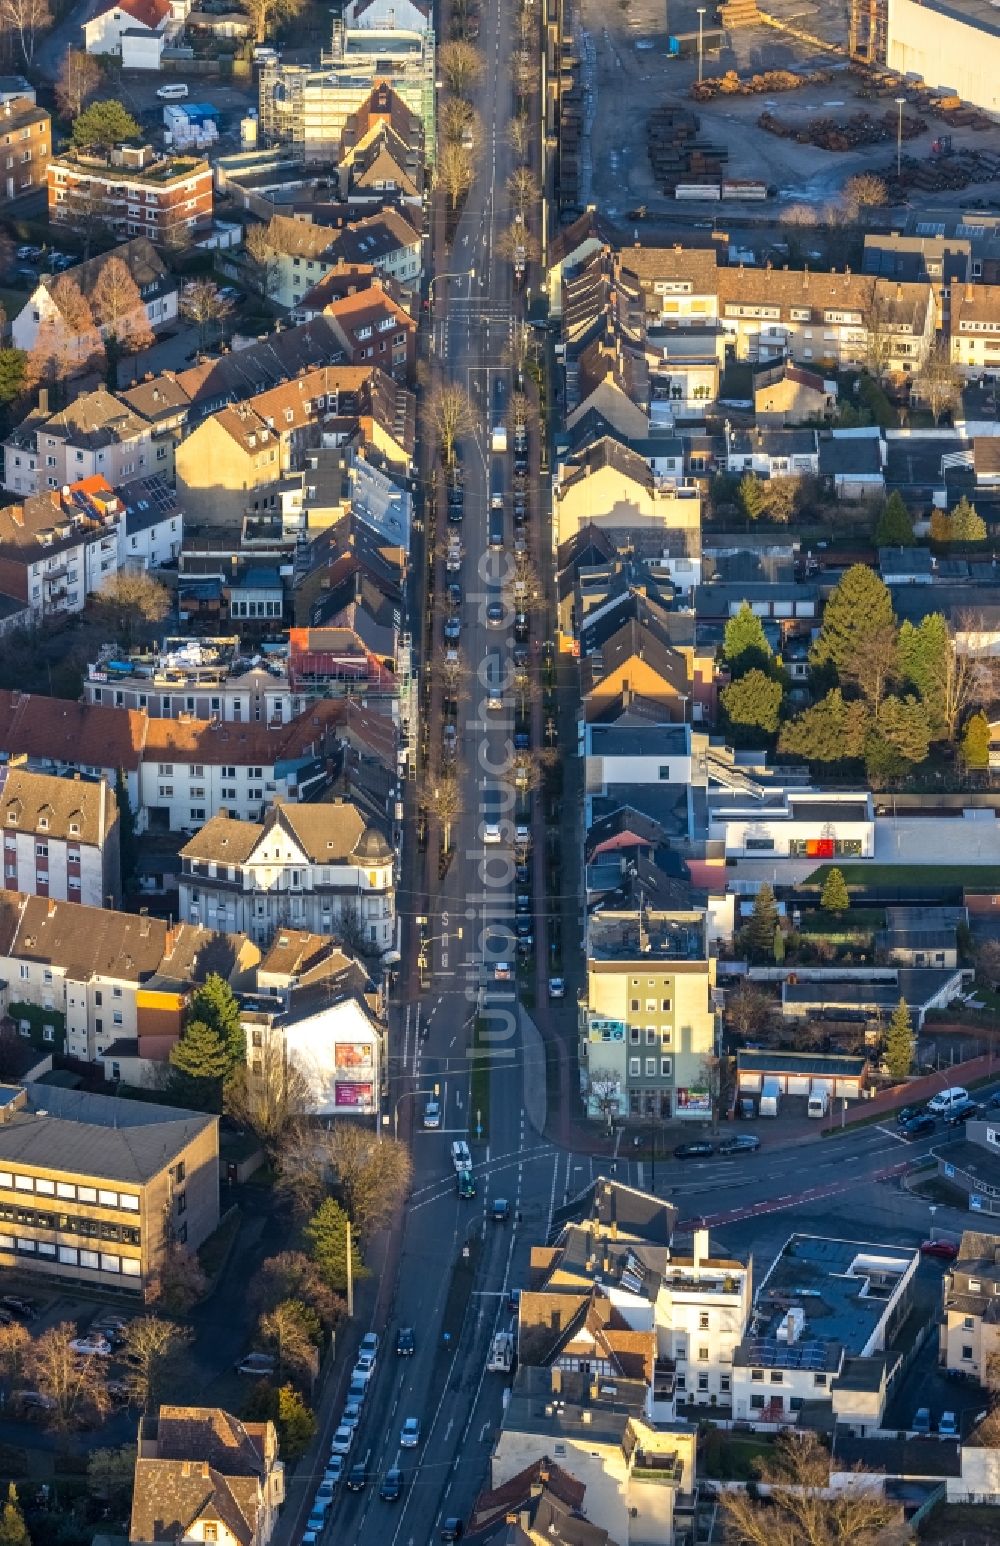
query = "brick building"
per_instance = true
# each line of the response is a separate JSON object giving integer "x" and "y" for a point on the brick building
{"x": 136, "y": 191}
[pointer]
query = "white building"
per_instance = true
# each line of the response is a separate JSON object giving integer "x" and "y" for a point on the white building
{"x": 824, "y": 1320}
{"x": 795, "y": 824}
{"x": 338, "y": 1049}
{"x": 955, "y": 50}
{"x": 208, "y": 677}
{"x": 315, "y": 867}
{"x": 133, "y": 29}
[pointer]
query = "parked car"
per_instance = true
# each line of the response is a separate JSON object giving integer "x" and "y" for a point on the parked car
{"x": 334, "y": 1470}
{"x": 948, "y": 1426}
{"x": 944, "y": 1250}
{"x": 557, "y": 987}
{"x": 358, "y": 1388}
{"x": 342, "y": 1440}
{"x": 963, "y": 1112}
{"x": 405, "y": 1342}
{"x": 917, "y": 1127}
{"x": 947, "y": 1100}
{"x": 921, "y": 1420}
{"x": 907, "y": 1113}
{"x": 23, "y": 1309}
{"x": 743, "y": 1143}
{"x": 697, "y": 1150}
{"x": 453, "y": 629}
{"x": 93, "y": 1345}
{"x": 357, "y": 1478}
{"x": 494, "y": 614}
{"x": 452, "y": 1529}
{"x": 409, "y": 1434}
{"x": 257, "y": 1365}
{"x": 350, "y": 1417}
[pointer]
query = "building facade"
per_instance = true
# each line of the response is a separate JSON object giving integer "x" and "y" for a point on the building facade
{"x": 25, "y": 147}
{"x": 135, "y": 191}
{"x": 60, "y": 837}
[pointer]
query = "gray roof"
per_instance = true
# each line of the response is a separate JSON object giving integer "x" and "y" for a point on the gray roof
{"x": 98, "y": 1135}
{"x": 850, "y": 456}
{"x": 905, "y": 561}
{"x": 818, "y": 1063}
{"x": 639, "y": 740}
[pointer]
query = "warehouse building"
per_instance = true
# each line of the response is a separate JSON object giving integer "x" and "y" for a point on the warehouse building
{"x": 954, "y": 48}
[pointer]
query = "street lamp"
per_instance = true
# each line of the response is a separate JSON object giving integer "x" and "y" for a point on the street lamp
{"x": 701, "y": 19}
{"x": 900, "y": 104}
{"x": 465, "y": 273}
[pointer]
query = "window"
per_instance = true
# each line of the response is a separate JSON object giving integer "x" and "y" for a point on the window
{"x": 180, "y": 1172}
{"x": 725, "y": 1382}
{"x": 757, "y": 1403}
{"x": 633, "y": 1035}
{"x": 666, "y": 1065}
{"x": 650, "y": 1068}
{"x": 795, "y": 1402}
{"x": 967, "y": 1352}
{"x": 703, "y": 1320}
{"x": 681, "y": 1382}
{"x": 634, "y": 1067}
{"x": 968, "y": 1323}
{"x": 651, "y": 1037}
{"x": 666, "y": 1006}
{"x": 776, "y": 1377}
{"x": 107, "y": 1199}
{"x": 703, "y": 1382}
{"x": 756, "y": 1374}
{"x": 973, "y": 1285}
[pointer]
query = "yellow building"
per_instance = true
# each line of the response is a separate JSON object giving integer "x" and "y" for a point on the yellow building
{"x": 648, "y": 1025}
{"x": 94, "y": 1190}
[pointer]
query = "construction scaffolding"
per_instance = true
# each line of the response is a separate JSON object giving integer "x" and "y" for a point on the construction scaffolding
{"x": 868, "y": 32}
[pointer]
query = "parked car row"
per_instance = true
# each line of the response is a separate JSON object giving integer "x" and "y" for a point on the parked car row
{"x": 952, "y": 1106}
{"x": 701, "y": 1148}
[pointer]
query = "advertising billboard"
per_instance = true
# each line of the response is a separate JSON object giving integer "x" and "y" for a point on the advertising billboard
{"x": 694, "y": 1102}
{"x": 350, "y": 1095}
{"x": 353, "y": 1054}
{"x": 605, "y": 1030}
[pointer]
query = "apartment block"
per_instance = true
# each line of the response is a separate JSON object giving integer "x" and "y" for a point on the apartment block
{"x": 25, "y": 147}
{"x": 60, "y": 837}
{"x": 312, "y": 867}
{"x": 135, "y": 190}
{"x": 648, "y": 1023}
{"x": 78, "y": 980}
{"x": 95, "y": 435}
{"x": 113, "y": 1184}
{"x": 970, "y": 1323}
{"x": 203, "y": 1475}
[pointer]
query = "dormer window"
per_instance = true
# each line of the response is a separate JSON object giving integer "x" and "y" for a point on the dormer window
{"x": 43, "y": 823}
{"x": 74, "y": 829}
{"x": 12, "y": 818}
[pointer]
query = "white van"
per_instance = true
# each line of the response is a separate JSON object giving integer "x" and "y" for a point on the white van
{"x": 175, "y": 93}
{"x": 945, "y": 1100}
{"x": 819, "y": 1102}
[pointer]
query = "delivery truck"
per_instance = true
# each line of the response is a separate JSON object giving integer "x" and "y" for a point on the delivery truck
{"x": 770, "y": 1098}
{"x": 819, "y": 1099}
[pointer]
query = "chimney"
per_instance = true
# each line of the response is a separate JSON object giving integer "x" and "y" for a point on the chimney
{"x": 43, "y": 399}
{"x": 556, "y": 1380}
{"x": 52, "y": 907}
{"x": 699, "y": 1248}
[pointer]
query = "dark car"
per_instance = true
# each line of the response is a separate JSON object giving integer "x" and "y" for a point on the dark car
{"x": 696, "y": 1150}
{"x": 453, "y": 629}
{"x": 907, "y": 1113}
{"x": 743, "y": 1143}
{"x": 405, "y": 1342}
{"x": 521, "y": 627}
{"x": 962, "y": 1113}
{"x": 917, "y": 1127}
{"x": 522, "y": 902}
{"x": 452, "y": 1529}
{"x": 391, "y": 1488}
{"x": 494, "y": 614}
{"x": 992, "y": 1101}
{"x": 500, "y": 1210}
{"x": 522, "y": 655}
{"x": 522, "y": 740}
{"x": 357, "y": 1478}
{"x": 454, "y": 593}
{"x": 22, "y": 1308}
{"x": 522, "y": 874}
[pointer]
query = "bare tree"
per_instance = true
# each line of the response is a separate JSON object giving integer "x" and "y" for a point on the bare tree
{"x": 863, "y": 191}
{"x": 84, "y": 344}
{"x": 152, "y": 1345}
{"x": 519, "y": 135}
{"x": 748, "y": 1009}
{"x": 263, "y": 258}
{"x": 77, "y": 82}
{"x": 458, "y": 118}
{"x": 443, "y": 798}
{"x": 517, "y": 244}
{"x": 303, "y": 1167}
{"x": 988, "y": 962}
{"x": 455, "y": 171}
{"x": 714, "y": 1075}
{"x": 75, "y": 1383}
{"x": 120, "y": 308}
{"x": 180, "y": 1282}
{"x": 203, "y": 303}
{"x": 605, "y": 1092}
{"x": 878, "y": 340}
{"x": 873, "y": 665}
{"x": 15, "y": 1343}
{"x": 27, "y": 18}
{"x": 452, "y": 672}
{"x": 291, "y": 1275}
{"x": 524, "y": 72}
{"x": 519, "y": 347}
{"x": 129, "y": 599}
{"x": 267, "y": 1094}
{"x": 374, "y": 1175}
{"x": 938, "y": 381}
{"x": 449, "y": 416}
{"x": 288, "y": 1332}
{"x": 461, "y": 66}
{"x": 800, "y": 1508}
{"x": 266, "y": 13}
{"x": 522, "y": 190}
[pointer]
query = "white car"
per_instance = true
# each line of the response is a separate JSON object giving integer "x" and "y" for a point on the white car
{"x": 460, "y": 1156}
{"x": 92, "y": 1346}
{"x": 363, "y": 1369}
{"x": 175, "y": 93}
{"x": 491, "y": 832}
{"x": 432, "y": 1114}
{"x": 494, "y": 702}
{"x": 946, "y": 1100}
{"x": 342, "y": 1440}
{"x": 334, "y": 1471}
{"x": 409, "y": 1436}
{"x": 522, "y": 834}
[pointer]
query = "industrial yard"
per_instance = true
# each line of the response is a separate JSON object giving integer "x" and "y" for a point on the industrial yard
{"x": 649, "y": 130}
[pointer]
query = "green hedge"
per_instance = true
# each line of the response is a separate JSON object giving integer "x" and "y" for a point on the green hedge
{"x": 39, "y": 1019}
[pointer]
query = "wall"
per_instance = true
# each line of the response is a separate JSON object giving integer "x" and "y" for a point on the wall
{"x": 945, "y": 52}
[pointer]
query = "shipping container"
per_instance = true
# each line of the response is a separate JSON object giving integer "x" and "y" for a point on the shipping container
{"x": 704, "y": 192}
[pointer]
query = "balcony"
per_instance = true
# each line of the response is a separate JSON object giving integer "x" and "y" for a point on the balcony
{"x": 663, "y": 1470}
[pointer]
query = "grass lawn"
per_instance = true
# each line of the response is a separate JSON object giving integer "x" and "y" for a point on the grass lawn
{"x": 986, "y": 876}
{"x": 961, "y": 1524}
{"x": 730, "y": 1457}
{"x": 852, "y": 926}
{"x": 216, "y": 1248}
